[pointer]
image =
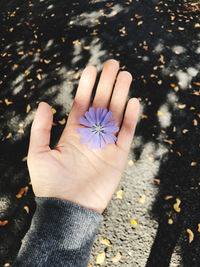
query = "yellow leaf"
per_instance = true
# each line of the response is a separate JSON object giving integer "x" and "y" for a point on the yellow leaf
{"x": 117, "y": 257}
{"x": 53, "y": 110}
{"x": 24, "y": 159}
{"x": 26, "y": 209}
{"x": 8, "y": 102}
{"x": 133, "y": 222}
{"x": 140, "y": 23}
{"x": 27, "y": 72}
{"x": 142, "y": 199}
{"x": 62, "y": 122}
{"x": 39, "y": 76}
{"x": 9, "y": 136}
{"x": 22, "y": 192}
{"x": 181, "y": 106}
{"x": 191, "y": 235}
{"x": 119, "y": 194}
{"x": 170, "y": 221}
{"x": 47, "y": 61}
{"x": 77, "y": 76}
{"x": 176, "y": 205}
{"x": 105, "y": 241}
{"x": 28, "y": 108}
{"x": 21, "y": 131}
{"x": 86, "y": 47}
{"x": 130, "y": 163}
{"x": 101, "y": 258}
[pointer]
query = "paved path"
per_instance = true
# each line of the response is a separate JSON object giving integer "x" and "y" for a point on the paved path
{"x": 44, "y": 47}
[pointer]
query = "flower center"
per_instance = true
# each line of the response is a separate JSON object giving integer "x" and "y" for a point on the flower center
{"x": 98, "y": 128}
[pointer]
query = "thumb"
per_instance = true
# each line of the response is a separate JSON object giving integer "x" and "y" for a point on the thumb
{"x": 41, "y": 129}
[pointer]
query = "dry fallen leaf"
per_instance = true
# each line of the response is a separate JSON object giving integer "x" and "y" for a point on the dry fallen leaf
{"x": 105, "y": 241}
{"x": 53, "y": 110}
{"x": 47, "y": 61}
{"x": 39, "y": 76}
{"x": 24, "y": 159}
{"x": 181, "y": 106}
{"x": 62, "y": 122}
{"x": 117, "y": 257}
{"x": 8, "y": 102}
{"x": 168, "y": 197}
{"x": 170, "y": 221}
{"x": 9, "y": 136}
{"x": 77, "y": 76}
{"x": 157, "y": 181}
{"x": 176, "y": 205}
{"x": 191, "y": 235}
{"x": 140, "y": 23}
{"x": 26, "y": 209}
{"x": 143, "y": 116}
{"x": 133, "y": 222}
{"x": 130, "y": 162}
{"x": 101, "y": 258}
{"x": 193, "y": 163}
{"x": 23, "y": 191}
{"x": 142, "y": 199}
{"x": 119, "y": 194}
{"x": 3, "y": 223}
{"x": 28, "y": 108}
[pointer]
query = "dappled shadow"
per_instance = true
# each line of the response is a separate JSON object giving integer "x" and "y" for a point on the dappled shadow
{"x": 44, "y": 47}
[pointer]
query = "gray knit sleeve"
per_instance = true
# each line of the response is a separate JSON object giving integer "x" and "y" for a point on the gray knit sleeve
{"x": 61, "y": 234}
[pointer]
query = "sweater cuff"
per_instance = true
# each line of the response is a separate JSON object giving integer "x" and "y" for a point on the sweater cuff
{"x": 61, "y": 233}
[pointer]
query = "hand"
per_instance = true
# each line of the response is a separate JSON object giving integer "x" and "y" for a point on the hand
{"x": 71, "y": 171}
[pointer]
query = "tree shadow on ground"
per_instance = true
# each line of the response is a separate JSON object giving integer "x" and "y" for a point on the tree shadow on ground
{"x": 44, "y": 43}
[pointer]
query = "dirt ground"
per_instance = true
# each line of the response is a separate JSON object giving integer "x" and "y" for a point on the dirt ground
{"x": 153, "y": 219}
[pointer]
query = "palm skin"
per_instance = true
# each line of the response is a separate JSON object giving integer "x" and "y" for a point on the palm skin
{"x": 71, "y": 171}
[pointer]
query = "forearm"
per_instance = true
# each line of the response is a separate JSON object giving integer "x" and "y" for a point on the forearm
{"x": 61, "y": 234}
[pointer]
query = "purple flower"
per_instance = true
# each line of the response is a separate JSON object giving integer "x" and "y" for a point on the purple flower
{"x": 98, "y": 128}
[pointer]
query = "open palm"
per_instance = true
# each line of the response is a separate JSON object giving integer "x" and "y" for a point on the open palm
{"x": 71, "y": 171}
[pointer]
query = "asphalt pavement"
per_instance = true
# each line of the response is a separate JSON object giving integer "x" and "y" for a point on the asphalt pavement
{"x": 153, "y": 219}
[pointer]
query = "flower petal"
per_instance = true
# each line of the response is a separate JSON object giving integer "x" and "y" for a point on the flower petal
{"x": 84, "y": 130}
{"x": 111, "y": 129}
{"x": 111, "y": 123}
{"x": 94, "y": 142}
{"x": 102, "y": 143}
{"x": 105, "y": 111}
{"x": 107, "y": 117}
{"x": 89, "y": 117}
{"x": 98, "y": 114}
{"x": 84, "y": 122}
{"x": 86, "y": 137}
{"x": 110, "y": 138}
{"x": 93, "y": 114}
